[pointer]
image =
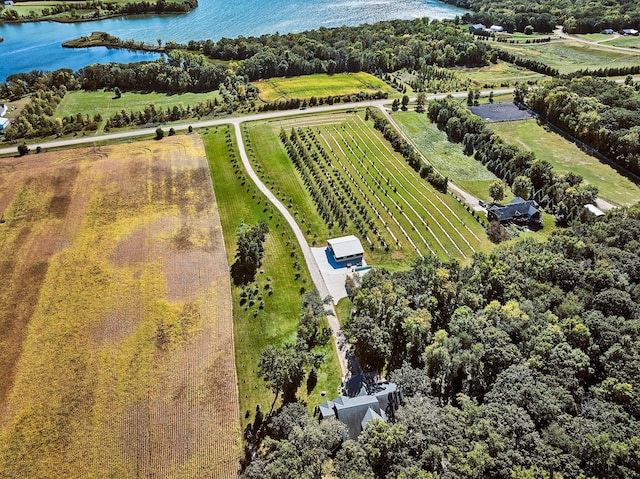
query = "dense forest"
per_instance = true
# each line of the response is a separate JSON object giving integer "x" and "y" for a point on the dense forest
{"x": 522, "y": 365}
{"x": 384, "y": 46}
{"x": 577, "y": 16}
{"x": 601, "y": 113}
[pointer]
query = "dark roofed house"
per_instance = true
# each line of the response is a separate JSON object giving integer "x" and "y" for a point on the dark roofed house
{"x": 518, "y": 211}
{"x": 359, "y": 405}
{"x": 478, "y": 27}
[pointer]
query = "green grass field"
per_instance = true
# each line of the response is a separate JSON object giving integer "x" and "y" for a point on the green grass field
{"x": 401, "y": 217}
{"x": 276, "y": 323}
{"x": 320, "y": 85}
{"x": 446, "y": 157}
{"x": 566, "y": 156}
{"x": 499, "y": 74}
{"x": 103, "y": 102}
{"x": 627, "y": 42}
{"x": 568, "y": 56}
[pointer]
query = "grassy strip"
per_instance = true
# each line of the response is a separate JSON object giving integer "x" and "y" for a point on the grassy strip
{"x": 500, "y": 74}
{"x": 566, "y": 156}
{"x": 448, "y": 158}
{"x": 276, "y": 322}
{"x": 568, "y": 56}
{"x": 320, "y": 85}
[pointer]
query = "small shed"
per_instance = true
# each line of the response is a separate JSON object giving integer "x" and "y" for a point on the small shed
{"x": 607, "y": 31}
{"x": 630, "y": 31}
{"x": 3, "y": 123}
{"x": 594, "y": 209}
{"x": 496, "y": 28}
{"x": 346, "y": 249}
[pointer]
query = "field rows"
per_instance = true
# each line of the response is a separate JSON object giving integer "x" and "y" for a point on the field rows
{"x": 391, "y": 207}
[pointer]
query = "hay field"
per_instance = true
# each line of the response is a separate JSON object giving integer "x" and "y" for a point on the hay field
{"x": 116, "y": 339}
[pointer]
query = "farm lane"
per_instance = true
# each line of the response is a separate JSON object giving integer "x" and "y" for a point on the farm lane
{"x": 601, "y": 43}
{"x": 342, "y": 347}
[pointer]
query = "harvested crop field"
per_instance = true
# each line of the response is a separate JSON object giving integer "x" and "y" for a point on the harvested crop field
{"x": 116, "y": 334}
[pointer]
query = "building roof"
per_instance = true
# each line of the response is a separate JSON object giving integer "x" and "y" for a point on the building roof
{"x": 516, "y": 209}
{"x": 3, "y": 122}
{"x": 496, "y": 28}
{"x": 370, "y": 401}
{"x": 345, "y": 246}
{"x": 478, "y": 26}
{"x": 594, "y": 209}
{"x": 370, "y": 416}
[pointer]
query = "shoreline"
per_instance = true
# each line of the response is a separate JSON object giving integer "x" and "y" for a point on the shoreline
{"x": 103, "y": 39}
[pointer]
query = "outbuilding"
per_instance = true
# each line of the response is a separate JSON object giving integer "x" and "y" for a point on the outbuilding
{"x": 496, "y": 28}
{"x": 346, "y": 249}
{"x": 630, "y": 31}
{"x": 3, "y": 123}
{"x": 594, "y": 209}
{"x": 477, "y": 27}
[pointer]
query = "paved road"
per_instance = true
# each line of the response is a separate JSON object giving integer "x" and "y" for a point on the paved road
{"x": 88, "y": 140}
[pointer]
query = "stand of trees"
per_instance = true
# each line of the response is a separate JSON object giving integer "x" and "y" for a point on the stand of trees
{"x": 577, "y": 16}
{"x": 601, "y": 113}
{"x": 250, "y": 248}
{"x": 385, "y": 47}
{"x": 523, "y": 364}
{"x": 562, "y": 195}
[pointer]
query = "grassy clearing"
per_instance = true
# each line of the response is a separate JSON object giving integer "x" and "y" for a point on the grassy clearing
{"x": 121, "y": 312}
{"x": 397, "y": 215}
{"x": 566, "y": 156}
{"x": 320, "y": 85}
{"x": 568, "y": 56}
{"x": 501, "y": 74}
{"x": 103, "y": 102}
{"x": 445, "y": 156}
{"x": 626, "y": 41}
{"x": 594, "y": 37}
{"x": 276, "y": 323}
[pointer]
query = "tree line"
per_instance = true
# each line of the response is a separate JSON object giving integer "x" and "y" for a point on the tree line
{"x": 576, "y": 16}
{"x": 601, "y": 113}
{"x": 521, "y": 365}
{"x": 562, "y": 195}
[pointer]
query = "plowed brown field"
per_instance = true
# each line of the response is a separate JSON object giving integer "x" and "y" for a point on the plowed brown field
{"x": 116, "y": 334}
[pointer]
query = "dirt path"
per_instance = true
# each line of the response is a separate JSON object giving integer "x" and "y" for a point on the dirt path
{"x": 342, "y": 347}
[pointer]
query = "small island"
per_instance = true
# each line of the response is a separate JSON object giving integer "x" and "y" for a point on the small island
{"x": 103, "y": 39}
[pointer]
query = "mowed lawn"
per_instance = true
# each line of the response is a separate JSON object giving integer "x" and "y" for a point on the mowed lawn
{"x": 116, "y": 357}
{"x": 103, "y": 102}
{"x": 568, "y": 55}
{"x": 448, "y": 158}
{"x": 319, "y": 85}
{"x": 565, "y": 156}
{"x": 274, "y": 323}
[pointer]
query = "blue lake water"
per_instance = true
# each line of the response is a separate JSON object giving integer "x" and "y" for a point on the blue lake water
{"x": 32, "y": 46}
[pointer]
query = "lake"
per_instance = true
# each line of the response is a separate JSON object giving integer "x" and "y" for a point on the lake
{"x": 32, "y": 46}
